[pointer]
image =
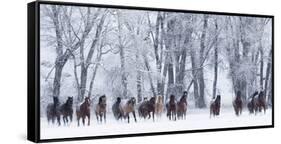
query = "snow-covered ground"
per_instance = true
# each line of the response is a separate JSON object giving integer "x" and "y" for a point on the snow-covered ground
{"x": 196, "y": 119}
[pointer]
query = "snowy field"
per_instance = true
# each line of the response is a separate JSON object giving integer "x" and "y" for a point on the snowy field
{"x": 196, "y": 120}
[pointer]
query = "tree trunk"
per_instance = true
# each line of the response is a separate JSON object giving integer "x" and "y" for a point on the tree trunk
{"x": 122, "y": 58}
{"x": 194, "y": 80}
{"x": 261, "y": 66}
{"x": 201, "y": 73}
{"x": 149, "y": 75}
{"x": 59, "y": 51}
{"x": 94, "y": 75}
{"x": 268, "y": 71}
{"x": 215, "y": 61}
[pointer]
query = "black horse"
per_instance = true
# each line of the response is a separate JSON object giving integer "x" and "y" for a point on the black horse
{"x": 53, "y": 111}
{"x": 67, "y": 110}
{"x": 116, "y": 109}
{"x": 215, "y": 106}
{"x": 238, "y": 104}
{"x": 251, "y": 102}
{"x": 101, "y": 109}
{"x": 182, "y": 106}
{"x": 171, "y": 107}
{"x": 146, "y": 108}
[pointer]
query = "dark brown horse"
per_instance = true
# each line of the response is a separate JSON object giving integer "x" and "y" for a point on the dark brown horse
{"x": 83, "y": 111}
{"x": 238, "y": 104}
{"x": 53, "y": 111}
{"x": 128, "y": 108}
{"x": 182, "y": 106}
{"x": 260, "y": 103}
{"x": 117, "y": 109}
{"x": 67, "y": 110}
{"x": 101, "y": 109}
{"x": 251, "y": 102}
{"x": 215, "y": 106}
{"x": 146, "y": 108}
{"x": 172, "y": 108}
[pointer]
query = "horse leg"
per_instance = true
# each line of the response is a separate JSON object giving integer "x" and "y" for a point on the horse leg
{"x": 70, "y": 117}
{"x": 63, "y": 119}
{"x": 128, "y": 118}
{"x": 58, "y": 119}
{"x": 104, "y": 116}
{"x": 83, "y": 120}
{"x": 264, "y": 108}
{"x": 97, "y": 116}
{"x": 100, "y": 117}
{"x": 66, "y": 119}
{"x": 78, "y": 119}
{"x": 134, "y": 115}
{"x": 88, "y": 119}
{"x": 153, "y": 112}
{"x": 53, "y": 119}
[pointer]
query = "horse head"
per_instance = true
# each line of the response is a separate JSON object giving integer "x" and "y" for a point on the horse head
{"x": 69, "y": 100}
{"x": 87, "y": 101}
{"x": 159, "y": 99}
{"x": 152, "y": 100}
{"x": 172, "y": 97}
{"x": 185, "y": 93}
{"x": 102, "y": 100}
{"x": 218, "y": 99}
{"x": 118, "y": 100}
{"x": 261, "y": 95}
{"x": 132, "y": 101}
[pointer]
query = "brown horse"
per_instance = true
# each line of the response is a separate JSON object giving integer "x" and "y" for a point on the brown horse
{"x": 146, "y": 108}
{"x": 83, "y": 111}
{"x": 172, "y": 108}
{"x": 238, "y": 104}
{"x": 260, "y": 103}
{"x": 53, "y": 111}
{"x": 159, "y": 106}
{"x": 128, "y": 108}
{"x": 182, "y": 106}
{"x": 101, "y": 109}
{"x": 215, "y": 106}
{"x": 67, "y": 110}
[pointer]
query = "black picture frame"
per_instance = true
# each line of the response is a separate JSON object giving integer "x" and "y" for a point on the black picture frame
{"x": 33, "y": 105}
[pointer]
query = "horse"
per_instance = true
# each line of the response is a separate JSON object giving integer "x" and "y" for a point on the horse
{"x": 128, "y": 108}
{"x": 116, "y": 109}
{"x": 83, "y": 111}
{"x": 251, "y": 102}
{"x": 182, "y": 106}
{"x": 101, "y": 109}
{"x": 67, "y": 110}
{"x": 146, "y": 108}
{"x": 260, "y": 103}
{"x": 215, "y": 106}
{"x": 238, "y": 104}
{"x": 159, "y": 106}
{"x": 171, "y": 108}
{"x": 53, "y": 111}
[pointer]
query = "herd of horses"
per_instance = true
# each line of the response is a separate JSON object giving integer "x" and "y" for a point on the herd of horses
{"x": 122, "y": 108}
